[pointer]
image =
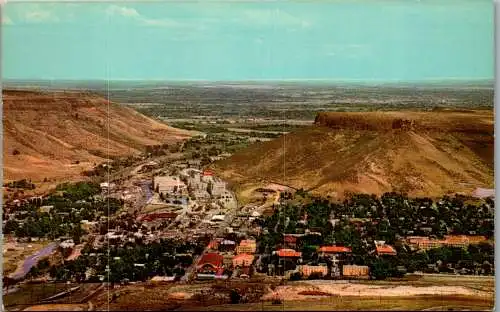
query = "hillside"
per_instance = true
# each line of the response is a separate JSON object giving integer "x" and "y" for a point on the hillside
{"x": 422, "y": 153}
{"x": 46, "y": 133}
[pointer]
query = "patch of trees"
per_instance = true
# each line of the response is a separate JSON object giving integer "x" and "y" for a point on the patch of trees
{"x": 158, "y": 150}
{"x": 362, "y": 219}
{"x": 135, "y": 262}
{"x": 76, "y": 203}
{"x": 395, "y": 214}
{"x": 118, "y": 163}
{"x": 213, "y": 145}
{"x": 41, "y": 268}
{"x": 79, "y": 190}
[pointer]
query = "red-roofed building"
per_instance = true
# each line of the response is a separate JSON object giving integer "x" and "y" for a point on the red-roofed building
{"x": 210, "y": 263}
{"x": 207, "y": 173}
{"x": 288, "y": 253}
{"x": 386, "y": 250}
{"x": 461, "y": 241}
{"x": 332, "y": 250}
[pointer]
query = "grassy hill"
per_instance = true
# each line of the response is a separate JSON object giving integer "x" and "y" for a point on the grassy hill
{"x": 422, "y": 153}
{"x": 45, "y": 134}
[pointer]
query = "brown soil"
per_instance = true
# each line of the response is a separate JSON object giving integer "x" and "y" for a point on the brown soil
{"x": 54, "y": 130}
{"x": 421, "y": 153}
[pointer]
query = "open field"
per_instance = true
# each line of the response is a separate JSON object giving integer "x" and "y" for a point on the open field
{"x": 274, "y": 101}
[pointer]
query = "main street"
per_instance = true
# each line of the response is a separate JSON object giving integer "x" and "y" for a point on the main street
{"x": 190, "y": 272}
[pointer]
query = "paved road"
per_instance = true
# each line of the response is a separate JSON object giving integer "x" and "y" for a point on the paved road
{"x": 32, "y": 260}
{"x": 189, "y": 275}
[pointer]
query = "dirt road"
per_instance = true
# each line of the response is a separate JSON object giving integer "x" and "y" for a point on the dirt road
{"x": 296, "y": 291}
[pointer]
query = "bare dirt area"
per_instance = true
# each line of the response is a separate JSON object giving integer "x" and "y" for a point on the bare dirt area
{"x": 175, "y": 296}
{"x": 415, "y": 303}
{"x": 306, "y": 290}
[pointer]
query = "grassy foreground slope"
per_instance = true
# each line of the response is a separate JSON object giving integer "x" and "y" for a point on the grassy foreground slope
{"x": 47, "y": 133}
{"x": 422, "y": 153}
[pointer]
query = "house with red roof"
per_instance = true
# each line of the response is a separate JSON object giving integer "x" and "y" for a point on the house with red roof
{"x": 334, "y": 250}
{"x": 210, "y": 263}
{"x": 335, "y": 253}
{"x": 288, "y": 253}
{"x": 382, "y": 249}
{"x": 208, "y": 173}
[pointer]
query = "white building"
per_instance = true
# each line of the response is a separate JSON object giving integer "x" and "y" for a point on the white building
{"x": 218, "y": 218}
{"x": 168, "y": 184}
{"x": 67, "y": 244}
{"x": 218, "y": 188}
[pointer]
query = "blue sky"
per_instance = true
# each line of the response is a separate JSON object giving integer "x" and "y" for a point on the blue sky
{"x": 352, "y": 40}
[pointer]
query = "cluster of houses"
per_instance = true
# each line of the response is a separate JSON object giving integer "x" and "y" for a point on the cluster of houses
{"x": 459, "y": 241}
{"x": 334, "y": 261}
{"x": 224, "y": 257}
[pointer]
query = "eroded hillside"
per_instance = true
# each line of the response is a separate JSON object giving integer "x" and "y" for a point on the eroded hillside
{"x": 422, "y": 153}
{"x": 56, "y": 135}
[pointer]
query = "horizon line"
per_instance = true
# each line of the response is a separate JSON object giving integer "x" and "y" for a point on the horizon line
{"x": 363, "y": 81}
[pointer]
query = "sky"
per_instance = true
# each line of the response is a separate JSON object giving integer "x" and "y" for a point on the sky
{"x": 351, "y": 40}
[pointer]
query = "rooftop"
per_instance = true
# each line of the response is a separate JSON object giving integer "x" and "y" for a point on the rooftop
{"x": 386, "y": 250}
{"x": 288, "y": 253}
{"x": 335, "y": 249}
{"x": 247, "y": 257}
{"x": 211, "y": 258}
{"x": 247, "y": 242}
